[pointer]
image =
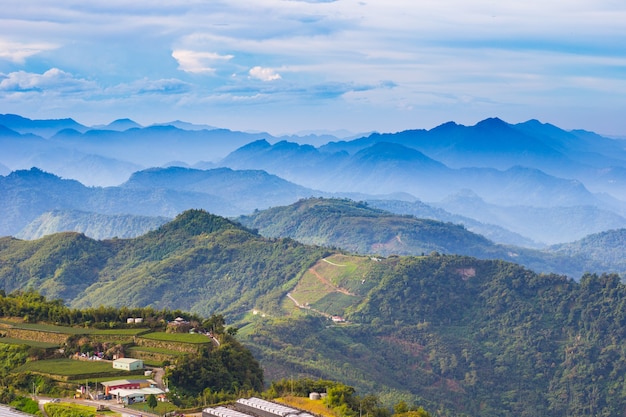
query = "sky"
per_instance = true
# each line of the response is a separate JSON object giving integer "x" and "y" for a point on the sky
{"x": 286, "y": 66}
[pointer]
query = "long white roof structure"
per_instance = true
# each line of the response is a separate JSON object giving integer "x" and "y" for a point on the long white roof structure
{"x": 6, "y": 411}
{"x": 270, "y": 407}
{"x": 224, "y": 412}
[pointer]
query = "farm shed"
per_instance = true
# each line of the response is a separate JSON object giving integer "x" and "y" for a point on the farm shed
{"x": 261, "y": 408}
{"x": 128, "y": 364}
{"x": 222, "y": 412}
{"x": 128, "y": 384}
{"x": 131, "y": 396}
{"x": 6, "y": 411}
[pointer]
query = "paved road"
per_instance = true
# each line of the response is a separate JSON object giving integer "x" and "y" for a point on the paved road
{"x": 111, "y": 405}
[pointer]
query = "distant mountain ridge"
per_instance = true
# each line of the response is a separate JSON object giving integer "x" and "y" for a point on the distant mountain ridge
{"x": 561, "y": 177}
{"x": 94, "y": 225}
{"x": 158, "y": 192}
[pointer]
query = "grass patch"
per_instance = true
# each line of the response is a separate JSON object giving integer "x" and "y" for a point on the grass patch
{"x": 53, "y": 328}
{"x": 334, "y": 303}
{"x": 121, "y": 332}
{"x": 316, "y": 407}
{"x": 50, "y": 328}
{"x": 32, "y": 343}
{"x": 177, "y": 337}
{"x": 161, "y": 408}
{"x": 67, "y": 367}
{"x": 135, "y": 376}
{"x": 69, "y": 410}
{"x": 156, "y": 350}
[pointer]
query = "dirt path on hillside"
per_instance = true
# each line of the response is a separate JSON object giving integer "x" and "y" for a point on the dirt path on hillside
{"x": 332, "y": 263}
{"x": 330, "y": 284}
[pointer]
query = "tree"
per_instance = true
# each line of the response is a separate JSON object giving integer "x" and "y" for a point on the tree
{"x": 152, "y": 401}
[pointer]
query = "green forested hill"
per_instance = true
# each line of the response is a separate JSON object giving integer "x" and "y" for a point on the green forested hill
{"x": 463, "y": 336}
{"x": 360, "y": 228}
{"x": 606, "y": 249}
{"x": 456, "y": 334}
{"x": 198, "y": 262}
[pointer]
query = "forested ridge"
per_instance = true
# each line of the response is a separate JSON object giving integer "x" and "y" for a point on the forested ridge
{"x": 469, "y": 338}
{"x": 361, "y": 227}
{"x": 198, "y": 262}
{"x": 459, "y": 335}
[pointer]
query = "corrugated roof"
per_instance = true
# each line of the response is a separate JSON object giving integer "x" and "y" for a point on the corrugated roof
{"x": 224, "y": 412}
{"x": 127, "y": 360}
{"x": 139, "y": 391}
{"x": 126, "y": 382}
{"x": 268, "y": 406}
{"x": 6, "y": 411}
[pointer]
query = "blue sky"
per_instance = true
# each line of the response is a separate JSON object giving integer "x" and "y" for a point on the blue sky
{"x": 287, "y": 65}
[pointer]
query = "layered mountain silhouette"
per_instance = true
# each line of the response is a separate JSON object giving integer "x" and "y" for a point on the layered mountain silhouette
{"x": 534, "y": 181}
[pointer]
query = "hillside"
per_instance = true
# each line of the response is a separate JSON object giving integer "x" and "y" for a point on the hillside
{"x": 606, "y": 248}
{"x": 362, "y": 229}
{"x": 96, "y": 226}
{"x": 359, "y": 228}
{"x": 457, "y": 334}
{"x": 198, "y": 262}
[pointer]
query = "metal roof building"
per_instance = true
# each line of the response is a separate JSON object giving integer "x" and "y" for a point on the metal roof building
{"x": 262, "y": 408}
{"x": 222, "y": 412}
{"x": 6, "y": 411}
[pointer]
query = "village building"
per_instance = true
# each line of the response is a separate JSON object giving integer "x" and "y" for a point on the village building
{"x": 131, "y": 396}
{"x": 128, "y": 384}
{"x": 128, "y": 364}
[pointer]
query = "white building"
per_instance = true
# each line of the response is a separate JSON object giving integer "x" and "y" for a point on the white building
{"x": 128, "y": 364}
{"x": 131, "y": 396}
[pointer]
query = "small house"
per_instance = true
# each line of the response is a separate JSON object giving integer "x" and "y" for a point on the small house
{"x": 128, "y": 364}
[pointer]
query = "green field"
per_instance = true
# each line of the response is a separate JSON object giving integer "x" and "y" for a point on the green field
{"x": 67, "y": 367}
{"x": 51, "y": 328}
{"x": 32, "y": 343}
{"x": 177, "y": 337}
{"x": 161, "y": 408}
{"x": 333, "y": 284}
{"x": 69, "y": 409}
{"x": 93, "y": 381}
{"x": 163, "y": 351}
{"x": 123, "y": 332}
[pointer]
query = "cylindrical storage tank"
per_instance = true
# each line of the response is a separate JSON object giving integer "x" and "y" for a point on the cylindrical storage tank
{"x": 314, "y": 396}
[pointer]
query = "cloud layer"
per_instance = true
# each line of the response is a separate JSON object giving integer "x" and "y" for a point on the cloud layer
{"x": 289, "y": 65}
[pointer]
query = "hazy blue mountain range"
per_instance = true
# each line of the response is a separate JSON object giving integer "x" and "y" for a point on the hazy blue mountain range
{"x": 386, "y": 167}
{"x": 107, "y": 155}
{"x": 496, "y": 144}
{"x": 544, "y": 224}
{"x": 422, "y": 210}
{"x": 534, "y": 180}
{"x": 165, "y": 192}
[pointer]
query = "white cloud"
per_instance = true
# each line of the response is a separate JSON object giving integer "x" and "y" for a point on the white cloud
{"x": 52, "y": 81}
{"x": 18, "y": 52}
{"x": 198, "y": 62}
{"x": 264, "y": 74}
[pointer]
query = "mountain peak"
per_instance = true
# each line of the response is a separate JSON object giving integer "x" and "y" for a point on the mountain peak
{"x": 123, "y": 124}
{"x": 492, "y": 123}
{"x": 195, "y": 222}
